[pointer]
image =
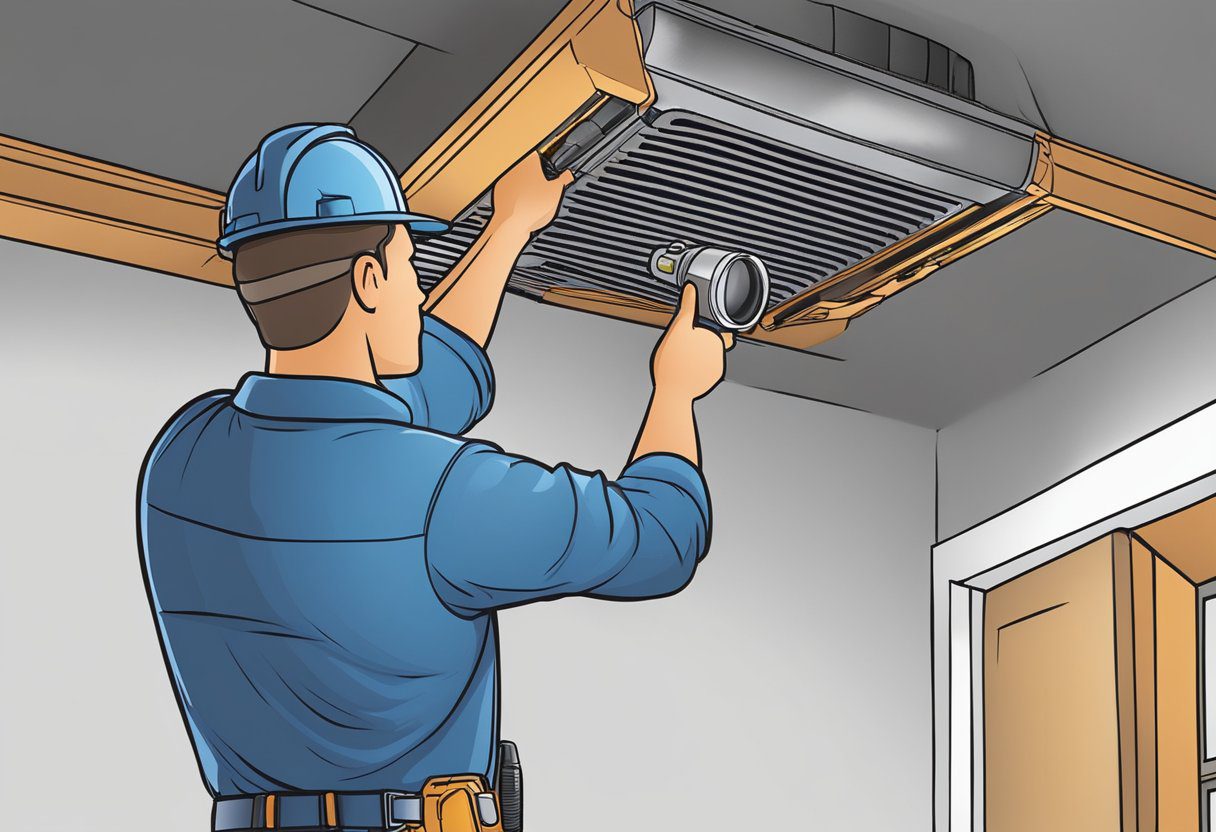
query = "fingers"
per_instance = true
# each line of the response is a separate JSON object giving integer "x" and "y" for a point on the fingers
{"x": 728, "y": 340}
{"x": 535, "y": 165}
{"x": 686, "y": 312}
{"x": 532, "y": 160}
{"x": 566, "y": 177}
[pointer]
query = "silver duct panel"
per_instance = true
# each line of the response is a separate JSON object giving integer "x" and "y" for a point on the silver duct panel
{"x": 686, "y": 177}
{"x": 761, "y": 144}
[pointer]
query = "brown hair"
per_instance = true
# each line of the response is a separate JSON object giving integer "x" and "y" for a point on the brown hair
{"x": 301, "y": 318}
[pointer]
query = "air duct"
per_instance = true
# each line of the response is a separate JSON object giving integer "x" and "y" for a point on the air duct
{"x": 848, "y": 181}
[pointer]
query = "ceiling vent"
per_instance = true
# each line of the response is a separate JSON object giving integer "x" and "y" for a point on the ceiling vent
{"x": 852, "y": 172}
{"x": 680, "y": 175}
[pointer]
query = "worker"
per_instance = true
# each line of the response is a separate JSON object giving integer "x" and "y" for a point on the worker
{"x": 325, "y": 553}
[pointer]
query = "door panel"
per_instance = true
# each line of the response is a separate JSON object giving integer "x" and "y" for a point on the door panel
{"x": 1051, "y": 710}
{"x": 1090, "y": 715}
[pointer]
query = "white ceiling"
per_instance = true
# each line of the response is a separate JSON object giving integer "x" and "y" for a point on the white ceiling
{"x": 178, "y": 88}
{"x": 185, "y": 89}
{"x": 985, "y": 324}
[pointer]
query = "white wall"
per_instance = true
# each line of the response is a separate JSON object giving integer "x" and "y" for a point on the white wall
{"x": 788, "y": 685}
{"x": 1138, "y": 380}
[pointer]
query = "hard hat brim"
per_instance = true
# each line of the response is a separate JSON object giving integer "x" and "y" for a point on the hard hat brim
{"x": 416, "y": 222}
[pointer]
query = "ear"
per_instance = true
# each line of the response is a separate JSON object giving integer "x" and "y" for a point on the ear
{"x": 367, "y": 275}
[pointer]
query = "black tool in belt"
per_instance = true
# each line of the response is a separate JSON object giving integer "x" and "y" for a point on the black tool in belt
{"x": 510, "y": 787}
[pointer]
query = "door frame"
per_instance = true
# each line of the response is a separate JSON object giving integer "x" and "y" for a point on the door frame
{"x": 1164, "y": 472}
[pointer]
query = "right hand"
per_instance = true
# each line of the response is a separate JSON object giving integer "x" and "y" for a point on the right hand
{"x": 689, "y": 360}
{"x": 525, "y": 197}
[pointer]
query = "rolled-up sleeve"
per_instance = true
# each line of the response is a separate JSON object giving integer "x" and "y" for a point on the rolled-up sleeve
{"x": 454, "y": 385}
{"x": 505, "y": 530}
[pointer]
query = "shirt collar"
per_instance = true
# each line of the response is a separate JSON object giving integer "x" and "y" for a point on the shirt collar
{"x": 309, "y": 398}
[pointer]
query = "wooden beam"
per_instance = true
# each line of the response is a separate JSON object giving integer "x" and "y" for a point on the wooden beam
{"x": 591, "y": 48}
{"x": 52, "y": 198}
{"x": 1129, "y": 196}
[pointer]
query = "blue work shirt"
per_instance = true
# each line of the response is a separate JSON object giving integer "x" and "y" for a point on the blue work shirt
{"x": 325, "y": 558}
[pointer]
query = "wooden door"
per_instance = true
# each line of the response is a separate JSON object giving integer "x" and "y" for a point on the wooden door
{"x": 1073, "y": 737}
{"x": 1051, "y": 738}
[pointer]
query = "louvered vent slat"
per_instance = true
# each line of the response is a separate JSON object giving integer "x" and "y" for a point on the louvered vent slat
{"x": 627, "y": 231}
{"x": 831, "y": 248}
{"x": 685, "y": 177}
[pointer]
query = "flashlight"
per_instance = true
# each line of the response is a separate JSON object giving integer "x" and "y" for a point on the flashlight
{"x": 732, "y": 286}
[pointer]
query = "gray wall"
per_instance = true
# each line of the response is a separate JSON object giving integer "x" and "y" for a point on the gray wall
{"x": 788, "y": 684}
{"x": 1137, "y": 380}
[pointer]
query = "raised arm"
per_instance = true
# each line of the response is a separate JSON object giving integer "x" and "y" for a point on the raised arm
{"x": 688, "y": 362}
{"x": 470, "y": 296}
{"x": 506, "y": 530}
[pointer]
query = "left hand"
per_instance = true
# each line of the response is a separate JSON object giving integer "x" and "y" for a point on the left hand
{"x": 524, "y": 198}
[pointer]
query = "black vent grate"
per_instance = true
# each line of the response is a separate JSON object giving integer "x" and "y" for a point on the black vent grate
{"x": 689, "y": 178}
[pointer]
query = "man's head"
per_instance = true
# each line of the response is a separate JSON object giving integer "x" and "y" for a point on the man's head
{"x": 319, "y": 234}
{"x": 368, "y": 287}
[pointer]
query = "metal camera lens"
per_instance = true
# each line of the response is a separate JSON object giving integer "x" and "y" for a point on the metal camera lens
{"x": 743, "y": 288}
{"x": 732, "y": 286}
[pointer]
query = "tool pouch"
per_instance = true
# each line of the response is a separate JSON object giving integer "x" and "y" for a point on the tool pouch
{"x": 459, "y": 804}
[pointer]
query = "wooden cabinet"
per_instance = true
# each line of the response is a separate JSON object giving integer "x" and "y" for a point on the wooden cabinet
{"x": 1090, "y": 694}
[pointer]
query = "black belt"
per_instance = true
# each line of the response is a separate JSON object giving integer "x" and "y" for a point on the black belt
{"x": 317, "y": 811}
{"x": 373, "y": 811}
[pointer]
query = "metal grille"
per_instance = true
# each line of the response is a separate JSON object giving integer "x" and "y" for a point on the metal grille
{"x": 685, "y": 177}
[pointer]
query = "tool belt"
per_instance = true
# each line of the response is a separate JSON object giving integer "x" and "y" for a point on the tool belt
{"x": 461, "y": 803}
{"x": 446, "y": 804}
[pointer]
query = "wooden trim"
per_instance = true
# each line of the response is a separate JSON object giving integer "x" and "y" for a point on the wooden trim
{"x": 800, "y": 335}
{"x": 1135, "y": 680}
{"x": 1177, "y": 710}
{"x": 592, "y": 47}
{"x": 612, "y": 304}
{"x": 900, "y": 252}
{"x": 638, "y": 310}
{"x": 1129, "y": 196}
{"x": 57, "y": 199}
{"x": 864, "y": 285}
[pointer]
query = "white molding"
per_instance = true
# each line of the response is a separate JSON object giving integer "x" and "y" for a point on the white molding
{"x": 962, "y": 721}
{"x": 977, "y": 709}
{"x": 1161, "y": 473}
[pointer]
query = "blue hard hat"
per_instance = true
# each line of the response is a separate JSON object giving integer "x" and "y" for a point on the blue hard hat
{"x": 311, "y": 175}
